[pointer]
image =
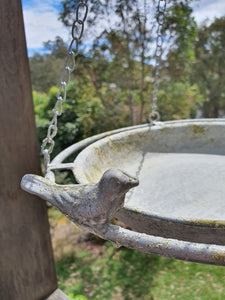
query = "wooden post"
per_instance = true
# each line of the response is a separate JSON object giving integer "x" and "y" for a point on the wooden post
{"x": 26, "y": 261}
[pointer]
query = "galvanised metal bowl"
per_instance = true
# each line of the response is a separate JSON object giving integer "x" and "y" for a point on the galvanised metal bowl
{"x": 181, "y": 169}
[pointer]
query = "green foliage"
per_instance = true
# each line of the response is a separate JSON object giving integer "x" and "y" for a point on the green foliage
{"x": 46, "y": 69}
{"x": 179, "y": 100}
{"x": 84, "y": 114}
{"x": 40, "y": 103}
{"x": 122, "y": 45}
{"x": 110, "y": 89}
{"x": 77, "y": 297}
{"x": 209, "y": 69}
{"x": 113, "y": 88}
{"x": 130, "y": 275}
{"x": 54, "y": 214}
{"x": 40, "y": 108}
{"x": 113, "y": 83}
{"x": 182, "y": 26}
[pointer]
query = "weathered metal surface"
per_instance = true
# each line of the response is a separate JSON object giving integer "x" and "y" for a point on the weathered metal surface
{"x": 180, "y": 166}
{"x": 179, "y": 202}
{"x": 91, "y": 206}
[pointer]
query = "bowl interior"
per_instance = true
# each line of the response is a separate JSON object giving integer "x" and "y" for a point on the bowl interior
{"x": 180, "y": 166}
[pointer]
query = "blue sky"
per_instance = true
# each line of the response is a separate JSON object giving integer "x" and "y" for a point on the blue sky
{"x": 42, "y": 24}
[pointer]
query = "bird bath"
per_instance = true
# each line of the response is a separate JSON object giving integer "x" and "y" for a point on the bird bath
{"x": 178, "y": 208}
{"x": 181, "y": 169}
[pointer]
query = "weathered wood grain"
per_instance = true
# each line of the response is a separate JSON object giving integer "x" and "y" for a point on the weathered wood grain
{"x": 26, "y": 260}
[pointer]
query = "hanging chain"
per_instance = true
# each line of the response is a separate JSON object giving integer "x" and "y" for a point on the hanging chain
{"x": 154, "y": 115}
{"x": 77, "y": 33}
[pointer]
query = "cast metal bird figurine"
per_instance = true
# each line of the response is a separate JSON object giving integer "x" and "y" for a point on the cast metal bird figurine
{"x": 87, "y": 205}
{"x": 92, "y": 205}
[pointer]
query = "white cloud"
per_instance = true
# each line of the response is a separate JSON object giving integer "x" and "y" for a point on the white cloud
{"x": 41, "y": 23}
{"x": 208, "y": 9}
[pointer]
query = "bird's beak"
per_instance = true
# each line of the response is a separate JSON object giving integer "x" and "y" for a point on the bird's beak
{"x": 132, "y": 182}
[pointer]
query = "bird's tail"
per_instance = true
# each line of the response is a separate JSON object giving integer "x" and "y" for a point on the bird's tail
{"x": 37, "y": 185}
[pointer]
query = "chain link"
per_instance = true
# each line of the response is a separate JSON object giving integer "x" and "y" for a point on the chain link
{"x": 77, "y": 33}
{"x": 154, "y": 115}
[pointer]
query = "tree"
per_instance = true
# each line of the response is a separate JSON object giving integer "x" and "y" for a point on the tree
{"x": 178, "y": 100}
{"x": 111, "y": 89}
{"x": 209, "y": 71}
{"x": 183, "y": 30}
{"x": 46, "y": 69}
{"x": 122, "y": 41}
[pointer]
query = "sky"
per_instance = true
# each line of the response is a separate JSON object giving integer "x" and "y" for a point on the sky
{"x": 42, "y": 24}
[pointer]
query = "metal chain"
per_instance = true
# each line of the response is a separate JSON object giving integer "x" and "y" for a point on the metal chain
{"x": 154, "y": 115}
{"x": 77, "y": 33}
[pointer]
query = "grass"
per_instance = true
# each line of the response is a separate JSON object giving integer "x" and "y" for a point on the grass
{"x": 127, "y": 274}
{"x": 124, "y": 274}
